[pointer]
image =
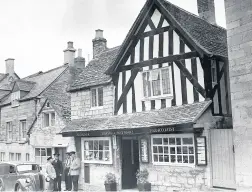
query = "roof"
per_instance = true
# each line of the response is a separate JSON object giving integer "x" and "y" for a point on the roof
{"x": 94, "y": 73}
{"x": 165, "y": 117}
{"x": 205, "y": 37}
{"x": 2, "y": 76}
{"x": 37, "y": 83}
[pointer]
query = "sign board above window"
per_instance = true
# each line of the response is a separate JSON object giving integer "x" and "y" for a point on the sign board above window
{"x": 201, "y": 151}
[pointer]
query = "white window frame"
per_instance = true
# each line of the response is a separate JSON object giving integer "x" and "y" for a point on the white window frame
{"x": 169, "y": 95}
{"x": 97, "y": 139}
{"x": 176, "y": 136}
{"x": 40, "y": 163}
{"x": 27, "y": 157}
{"x": 11, "y": 155}
{"x": 2, "y": 156}
{"x": 22, "y": 130}
{"x": 18, "y": 157}
{"x": 97, "y": 98}
{"x": 9, "y": 129}
{"x": 50, "y": 118}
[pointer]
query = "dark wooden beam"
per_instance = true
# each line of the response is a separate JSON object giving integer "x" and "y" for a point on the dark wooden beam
{"x": 161, "y": 47}
{"x": 126, "y": 88}
{"x": 151, "y": 24}
{"x": 170, "y": 52}
{"x": 161, "y": 21}
{"x": 195, "y": 75}
{"x": 154, "y": 61}
{"x": 151, "y": 46}
{"x": 189, "y": 76}
{"x": 123, "y": 85}
{"x": 132, "y": 60}
{"x": 155, "y": 32}
{"x": 141, "y": 57}
{"x": 143, "y": 105}
{"x": 182, "y": 75}
{"x": 115, "y": 80}
{"x": 219, "y": 87}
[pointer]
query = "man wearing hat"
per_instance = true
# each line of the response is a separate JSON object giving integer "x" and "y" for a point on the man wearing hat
{"x": 75, "y": 170}
{"x": 68, "y": 180}
{"x": 51, "y": 173}
{"x": 57, "y": 164}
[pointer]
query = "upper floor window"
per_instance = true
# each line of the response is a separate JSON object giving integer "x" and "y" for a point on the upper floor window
{"x": 15, "y": 96}
{"x": 214, "y": 73}
{"x": 22, "y": 129}
{"x": 48, "y": 119}
{"x": 2, "y": 156}
{"x": 27, "y": 157}
{"x": 9, "y": 131}
{"x": 97, "y": 97}
{"x": 11, "y": 157}
{"x": 18, "y": 156}
{"x": 156, "y": 82}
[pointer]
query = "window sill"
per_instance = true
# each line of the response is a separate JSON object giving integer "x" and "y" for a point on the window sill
{"x": 157, "y": 97}
{"x": 9, "y": 142}
{"x": 96, "y": 108}
{"x": 98, "y": 162}
{"x": 174, "y": 164}
{"x": 21, "y": 142}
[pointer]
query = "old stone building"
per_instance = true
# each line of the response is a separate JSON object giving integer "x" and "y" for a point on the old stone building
{"x": 239, "y": 26}
{"x": 160, "y": 101}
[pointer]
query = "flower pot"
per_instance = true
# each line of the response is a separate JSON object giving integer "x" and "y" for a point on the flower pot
{"x": 144, "y": 186}
{"x": 110, "y": 186}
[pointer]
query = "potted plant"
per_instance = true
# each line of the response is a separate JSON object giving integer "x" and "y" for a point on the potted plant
{"x": 142, "y": 180}
{"x": 110, "y": 182}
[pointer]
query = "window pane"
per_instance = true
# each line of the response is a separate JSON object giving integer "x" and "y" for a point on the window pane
{"x": 173, "y": 158}
{"x": 46, "y": 119}
{"x": 179, "y": 158}
{"x": 156, "y": 83}
{"x": 96, "y": 145}
{"x": 166, "y": 158}
{"x": 100, "y": 155}
{"x": 106, "y": 143}
{"x": 165, "y": 81}
{"x": 106, "y": 158}
{"x": 49, "y": 152}
{"x": 185, "y": 150}
{"x": 191, "y": 159}
{"x": 178, "y": 141}
{"x": 160, "y": 149}
{"x": 37, "y": 152}
{"x": 172, "y": 150}
{"x": 100, "y": 145}
{"x": 165, "y": 140}
{"x": 100, "y": 96}
{"x": 91, "y": 145}
{"x": 191, "y": 151}
{"x": 157, "y": 141}
{"x": 43, "y": 152}
{"x": 161, "y": 158}
{"x": 185, "y": 159}
{"x": 145, "y": 84}
{"x": 155, "y": 149}
{"x": 86, "y": 147}
{"x": 166, "y": 150}
{"x": 187, "y": 141}
{"x": 179, "y": 150}
{"x": 172, "y": 141}
{"x": 155, "y": 158}
{"x": 52, "y": 119}
{"x": 96, "y": 155}
{"x": 93, "y": 96}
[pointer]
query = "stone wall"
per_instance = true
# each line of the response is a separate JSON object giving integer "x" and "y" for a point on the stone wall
{"x": 81, "y": 104}
{"x": 239, "y": 26}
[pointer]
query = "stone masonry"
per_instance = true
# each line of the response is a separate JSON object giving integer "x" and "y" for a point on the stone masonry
{"x": 239, "y": 26}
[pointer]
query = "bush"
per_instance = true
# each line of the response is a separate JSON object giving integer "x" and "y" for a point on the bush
{"x": 142, "y": 176}
{"x": 110, "y": 178}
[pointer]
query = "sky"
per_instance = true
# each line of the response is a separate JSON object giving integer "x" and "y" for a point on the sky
{"x": 35, "y": 32}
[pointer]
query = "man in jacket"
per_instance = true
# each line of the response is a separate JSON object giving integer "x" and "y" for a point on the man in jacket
{"x": 50, "y": 174}
{"x": 68, "y": 180}
{"x": 57, "y": 164}
{"x": 75, "y": 170}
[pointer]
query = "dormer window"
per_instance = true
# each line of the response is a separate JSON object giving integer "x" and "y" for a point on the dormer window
{"x": 157, "y": 83}
{"x": 48, "y": 119}
{"x": 15, "y": 96}
{"x": 97, "y": 97}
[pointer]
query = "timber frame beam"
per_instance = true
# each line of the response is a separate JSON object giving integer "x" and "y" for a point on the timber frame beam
{"x": 154, "y": 61}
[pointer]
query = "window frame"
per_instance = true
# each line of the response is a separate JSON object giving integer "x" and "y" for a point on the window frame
{"x": 46, "y": 148}
{"x": 9, "y": 129}
{"x": 97, "y": 97}
{"x": 27, "y": 157}
{"x": 97, "y": 139}
{"x": 2, "y": 156}
{"x": 10, "y": 154}
{"x": 184, "y": 135}
{"x": 49, "y": 118}
{"x": 22, "y": 130}
{"x": 162, "y": 95}
{"x": 18, "y": 155}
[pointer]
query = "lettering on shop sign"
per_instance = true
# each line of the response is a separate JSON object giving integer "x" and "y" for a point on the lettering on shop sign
{"x": 127, "y": 132}
{"x": 201, "y": 153}
{"x": 82, "y": 134}
{"x": 162, "y": 130}
{"x": 144, "y": 150}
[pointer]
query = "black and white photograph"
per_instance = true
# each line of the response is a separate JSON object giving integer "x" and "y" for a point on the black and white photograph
{"x": 126, "y": 95}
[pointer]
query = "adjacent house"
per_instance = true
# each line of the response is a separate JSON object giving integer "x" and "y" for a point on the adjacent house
{"x": 160, "y": 102}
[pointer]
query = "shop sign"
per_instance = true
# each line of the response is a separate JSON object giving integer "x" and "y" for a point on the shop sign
{"x": 144, "y": 150}
{"x": 201, "y": 151}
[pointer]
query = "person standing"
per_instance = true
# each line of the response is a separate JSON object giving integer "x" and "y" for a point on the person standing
{"x": 57, "y": 164}
{"x": 75, "y": 170}
{"x": 51, "y": 173}
{"x": 68, "y": 180}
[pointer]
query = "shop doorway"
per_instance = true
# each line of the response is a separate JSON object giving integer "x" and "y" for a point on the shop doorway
{"x": 130, "y": 162}
{"x": 62, "y": 157}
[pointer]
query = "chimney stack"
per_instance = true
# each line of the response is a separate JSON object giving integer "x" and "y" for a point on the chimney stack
{"x": 99, "y": 43}
{"x": 69, "y": 54}
{"x": 9, "y": 66}
{"x": 79, "y": 62}
{"x": 206, "y": 10}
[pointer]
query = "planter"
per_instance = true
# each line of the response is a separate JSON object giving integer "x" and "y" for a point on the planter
{"x": 110, "y": 186}
{"x": 144, "y": 186}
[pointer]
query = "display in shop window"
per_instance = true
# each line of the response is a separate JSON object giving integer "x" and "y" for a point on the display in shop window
{"x": 201, "y": 155}
{"x": 144, "y": 150}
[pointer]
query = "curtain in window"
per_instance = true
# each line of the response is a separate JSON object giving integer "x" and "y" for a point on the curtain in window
{"x": 165, "y": 81}
{"x": 100, "y": 96}
{"x": 146, "y": 84}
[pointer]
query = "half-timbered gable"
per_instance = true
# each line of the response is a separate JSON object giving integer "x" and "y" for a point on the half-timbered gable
{"x": 164, "y": 62}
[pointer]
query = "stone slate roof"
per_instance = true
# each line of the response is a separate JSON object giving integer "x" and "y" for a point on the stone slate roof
{"x": 94, "y": 74}
{"x": 2, "y": 76}
{"x": 210, "y": 37}
{"x": 39, "y": 82}
{"x": 164, "y": 117}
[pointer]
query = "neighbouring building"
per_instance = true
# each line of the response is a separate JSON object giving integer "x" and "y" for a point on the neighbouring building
{"x": 35, "y": 110}
{"x": 160, "y": 101}
{"x": 239, "y": 26}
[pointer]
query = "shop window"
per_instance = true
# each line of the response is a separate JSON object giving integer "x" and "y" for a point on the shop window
{"x": 97, "y": 97}
{"x": 2, "y": 156}
{"x": 173, "y": 149}
{"x": 41, "y": 155}
{"x": 97, "y": 150}
{"x": 157, "y": 83}
{"x": 22, "y": 129}
{"x": 48, "y": 119}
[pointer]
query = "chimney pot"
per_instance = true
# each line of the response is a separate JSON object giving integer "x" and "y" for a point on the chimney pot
{"x": 99, "y": 43}
{"x": 69, "y": 44}
{"x": 69, "y": 54}
{"x": 10, "y": 66}
{"x": 79, "y": 52}
{"x": 99, "y": 34}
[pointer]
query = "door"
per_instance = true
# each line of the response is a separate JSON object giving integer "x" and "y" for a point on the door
{"x": 223, "y": 164}
{"x": 130, "y": 163}
{"x": 62, "y": 158}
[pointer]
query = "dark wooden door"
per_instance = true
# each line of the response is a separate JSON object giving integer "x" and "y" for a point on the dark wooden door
{"x": 130, "y": 163}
